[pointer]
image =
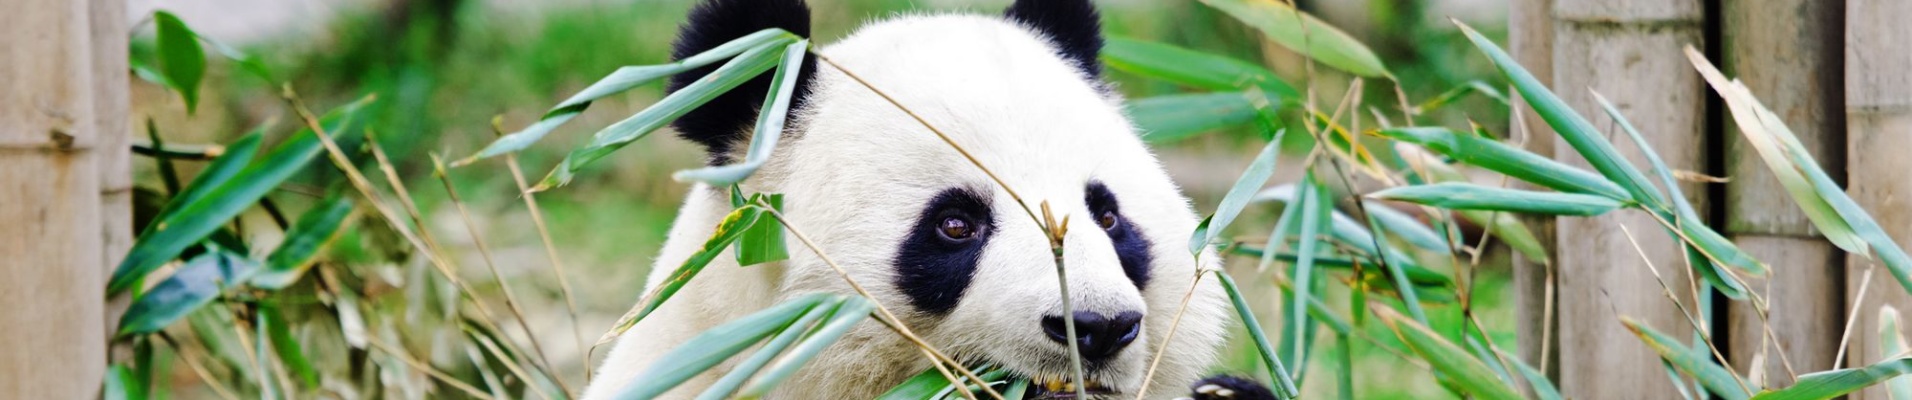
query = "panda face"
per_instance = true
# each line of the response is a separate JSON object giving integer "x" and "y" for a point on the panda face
{"x": 947, "y": 247}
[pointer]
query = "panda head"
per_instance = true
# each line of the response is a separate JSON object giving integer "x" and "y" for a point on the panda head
{"x": 938, "y": 240}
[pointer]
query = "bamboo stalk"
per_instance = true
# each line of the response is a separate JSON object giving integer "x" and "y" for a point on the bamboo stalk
{"x": 1878, "y": 103}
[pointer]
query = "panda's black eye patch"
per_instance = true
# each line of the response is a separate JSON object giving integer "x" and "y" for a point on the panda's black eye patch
{"x": 939, "y": 254}
{"x": 1131, "y": 246}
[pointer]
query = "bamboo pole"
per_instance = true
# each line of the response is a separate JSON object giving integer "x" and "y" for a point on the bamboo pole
{"x": 1879, "y": 121}
{"x": 1629, "y": 50}
{"x": 112, "y": 105}
{"x": 52, "y": 278}
{"x": 1788, "y": 52}
{"x": 1530, "y": 37}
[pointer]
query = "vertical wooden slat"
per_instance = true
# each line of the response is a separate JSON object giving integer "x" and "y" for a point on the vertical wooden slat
{"x": 1788, "y": 52}
{"x": 112, "y": 107}
{"x": 1530, "y": 38}
{"x": 1879, "y": 132}
{"x": 1630, "y": 51}
{"x": 51, "y": 275}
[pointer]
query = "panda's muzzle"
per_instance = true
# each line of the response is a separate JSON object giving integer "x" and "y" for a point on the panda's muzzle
{"x": 1098, "y": 337}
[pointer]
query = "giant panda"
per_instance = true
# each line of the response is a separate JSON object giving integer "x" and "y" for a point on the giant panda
{"x": 930, "y": 235}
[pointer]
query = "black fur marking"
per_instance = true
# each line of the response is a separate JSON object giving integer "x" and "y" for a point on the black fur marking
{"x": 933, "y": 270}
{"x": 1131, "y": 247}
{"x": 1224, "y": 387}
{"x": 1073, "y": 26}
{"x": 726, "y": 120}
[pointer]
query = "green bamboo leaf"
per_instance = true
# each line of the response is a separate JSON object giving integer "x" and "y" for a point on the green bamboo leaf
{"x": 1396, "y": 266}
{"x": 1768, "y": 136}
{"x": 180, "y": 57}
{"x": 1193, "y": 68}
{"x": 1304, "y": 34}
{"x": 121, "y": 384}
{"x": 1573, "y": 128}
{"x": 621, "y": 80}
{"x": 770, "y": 124}
{"x": 1344, "y": 381}
{"x": 1834, "y": 383}
{"x": 1892, "y": 345}
{"x": 1017, "y": 389}
{"x": 290, "y": 352}
{"x": 1410, "y": 229}
{"x": 235, "y": 158}
{"x": 784, "y": 337}
{"x": 1421, "y": 167}
{"x": 1420, "y": 277}
{"x": 847, "y": 315}
{"x": 1717, "y": 379}
{"x": 923, "y": 386}
{"x": 303, "y": 241}
{"x": 763, "y": 242}
{"x": 1689, "y": 219}
{"x": 1544, "y": 388}
{"x": 1284, "y": 385}
{"x": 715, "y": 345}
{"x": 1316, "y": 204}
{"x": 1508, "y": 160}
{"x": 1468, "y": 196}
{"x": 1168, "y": 118}
{"x": 1459, "y": 367}
{"x": 1460, "y": 92}
{"x": 195, "y": 284}
{"x": 248, "y": 62}
{"x": 726, "y": 233}
{"x": 201, "y": 217}
{"x": 741, "y": 69}
{"x": 1345, "y": 230}
{"x": 1239, "y": 195}
{"x": 1881, "y": 244}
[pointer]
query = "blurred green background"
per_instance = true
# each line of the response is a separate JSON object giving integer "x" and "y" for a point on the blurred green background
{"x": 444, "y": 68}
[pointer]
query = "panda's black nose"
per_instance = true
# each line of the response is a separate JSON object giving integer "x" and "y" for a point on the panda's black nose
{"x": 1098, "y": 337}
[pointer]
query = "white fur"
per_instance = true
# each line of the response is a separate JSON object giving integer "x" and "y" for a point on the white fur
{"x": 859, "y": 171}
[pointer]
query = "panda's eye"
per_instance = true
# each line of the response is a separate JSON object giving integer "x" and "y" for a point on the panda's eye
{"x": 956, "y": 228}
{"x": 1107, "y": 219}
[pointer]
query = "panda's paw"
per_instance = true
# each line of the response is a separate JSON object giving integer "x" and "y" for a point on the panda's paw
{"x": 1224, "y": 387}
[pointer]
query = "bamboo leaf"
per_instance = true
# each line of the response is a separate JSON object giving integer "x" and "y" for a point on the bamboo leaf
{"x": 1304, "y": 34}
{"x": 1239, "y": 195}
{"x": 1459, "y": 367}
{"x": 923, "y": 386}
{"x": 1508, "y": 160}
{"x": 121, "y": 384}
{"x": 1689, "y": 219}
{"x": 1193, "y": 68}
{"x": 847, "y": 315}
{"x": 770, "y": 123}
{"x": 1468, "y": 196}
{"x": 287, "y": 347}
{"x": 784, "y": 338}
{"x": 1892, "y": 344}
{"x": 235, "y": 158}
{"x": 763, "y": 242}
{"x": 201, "y": 217}
{"x": 1573, "y": 128}
{"x": 1717, "y": 379}
{"x": 1347, "y": 231}
{"x": 1284, "y": 386}
{"x": 1834, "y": 383}
{"x": 1168, "y": 118}
{"x": 180, "y": 58}
{"x": 726, "y": 233}
{"x": 196, "y": 283}
{"x": 741, "y": 69}
{"x": 713, "y": 346}
{"x": 1881, "y": 244}
{"x": 1787, "y": 161}
{"x": 1423, "y": 167}
{"x": 1315, "y": 206}
{"x": 1544, "y": 388}
{"x": 303, "y": 241}
{"x": 621, "y": 80}
{"x": 1460, "y": 92}
{"x": 1406, "y": 226}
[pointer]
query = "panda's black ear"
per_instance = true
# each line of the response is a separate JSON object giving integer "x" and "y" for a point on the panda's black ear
{"x": 1072, "y": 25}
{"x": 725, "y": 120}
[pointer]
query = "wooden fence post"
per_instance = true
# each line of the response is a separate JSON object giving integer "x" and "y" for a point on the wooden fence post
{"x": 52, "y": 277}
{"x": 1879, "y": 119}
{"x": 1788, "y": 52}
{"x": 1629, "y": 50}
{"x": 1530, "y": 38}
